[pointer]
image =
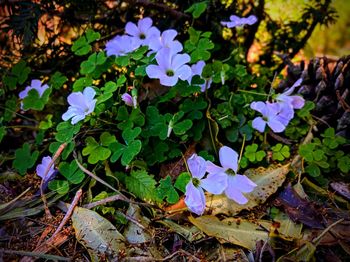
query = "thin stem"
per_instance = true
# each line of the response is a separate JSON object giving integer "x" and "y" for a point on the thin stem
{"x": 241, "y": 152}
{"x": 252, "y": 92}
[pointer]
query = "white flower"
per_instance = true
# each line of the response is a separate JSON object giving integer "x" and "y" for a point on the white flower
{"x": 236, "y": 184}
{"x": 81, "y": 105}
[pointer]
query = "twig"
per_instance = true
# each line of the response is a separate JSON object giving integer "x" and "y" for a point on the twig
{"x": 145, "y": 259}
{"x": 34, "y": 254}
{"x": 69, "y": 213}
{"x": 43, "y": 197}
{"x": 342, "y": 101}
{"x": 105, "y": 201}
{"x": 82, "y": 168}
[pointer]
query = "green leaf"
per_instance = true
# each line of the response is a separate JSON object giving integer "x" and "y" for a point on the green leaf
{"x": 95, "y": 151}
{"x": 34, "y": 101}
{"x": 71, "y": 172}
{"x": 129, "y": 134}
{"x": 2, "y": 132}
{"x": 66, "y": 131}
{"x": 166, "y": 190}
{"x": 313, "y": 170}
{"x": 182, "y": 181}
{"x": 106, "y": 139}
{"x": 19, "y": 74}
{"x": 46, "y": 124}
{"x": 122, "y": 60}
{"x": 66, "y": 151}
{"x": 129, "y": 120}
{"x": 180, "y": 128}
{"x": 344, "y": 164}
{"x": 81, "y": 83}
{"x": 141, "y": 184}
{"x": 280, "y": 152}
{"x": 305, "y": 111}
{"x": 57, "y": 80}
{"x": 60, "y": 186}
{"x": 82, "y": 45}
{"x": 92, "y": 36}
{"x": 89, "y": 66}
{"x": 10, "y": 108}
{"x": 252, "y": 154}
{"x": 197, "y": 9}
{"x": 130, "y": 152}
{"x": 24, "y": 159}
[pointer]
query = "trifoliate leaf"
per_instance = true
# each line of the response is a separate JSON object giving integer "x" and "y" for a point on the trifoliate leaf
{"x": 197, "y": 9}
{"x": 182, "y": 181}
{"x": 60, "y": 186}
{"x": 66, "y": 151}
{"x": 72, "y": 172}
{"x": 24, "y": 159}
{"x": 141, "y": 184}
{"x": 57, "y": 80}
{"x": 95, "y": 151}
{"x": 46, "y": 124}
{"x": 66, "y": 131}
{"x": 81, "y": 83}
{"x": 130, "y": 152}
{"x": 129, "y": 134}
{"x": 34, "y": 101}
{"x": 167, "y": 190}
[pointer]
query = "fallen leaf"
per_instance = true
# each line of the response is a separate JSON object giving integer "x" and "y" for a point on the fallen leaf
{"x": 341, "y": 188}
{"x": 97, "y": 234}
{"x": 285, "y": 228}
{"x": 299, "y": 209}
{"x": 189, "y": 233}
{"x": 236, "y": 231}
{"x": 134, "y": 234}
{"x": 268, "y": 181}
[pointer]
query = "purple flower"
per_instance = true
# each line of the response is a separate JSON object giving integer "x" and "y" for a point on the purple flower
{"x": 129, "y": 100}
{"x": 271, "y": 117}
{"x": 121, "y": 45}
{"x": 166, "y": 40}
{"x": 195, "y": 198}
{"x": 80, "y": 105}
{"x": 41, "y": 168}
{"x": 197, "y": 69}
{"x": 285, "y": 99}
{"x": 35, "y": 84}
{"x": 236, "y": 184}
{"x": 170, "y": 67}
{"x": 237, "y": 21}
{"x": 143, "y": 32}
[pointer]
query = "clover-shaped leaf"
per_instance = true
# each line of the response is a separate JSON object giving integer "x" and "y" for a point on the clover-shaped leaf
{"x": 66, "y": 131}
{"x": 82, "y": 45}
{"x": 197, "y": 9}
{"x": 71, "y": 172}
{"x": 46, "y": 124}
{"x": 141, "y": 184}
{"x": 182, "y": 181}
{"x": 305, "y": 111}
{"x": 126, "y": 152}
{"x": 155, "y": 151}
{"x": 155, "y": 124}
{"x": 34, "y": 101}
{"x": 98, "y": 151}
{"x": 129, "y": 134}
{"x": 252, "y": 153}
{"x": 129, "y": 120}
{"x": 81, "y": 83}
{"x": 57, "y": 80}
{"x": 167, "y": 190}
{"x": 60, "y": 186}
{"x": 280, "y": 152}
{"x": 344, "y": 164}
{"x": 89, "y": 66}
{"x": 66, "y": 151}
{"x": 24, "y": 159}
{"x": 18, "y": 75}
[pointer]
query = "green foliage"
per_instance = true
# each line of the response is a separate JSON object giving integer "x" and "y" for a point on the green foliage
{"x": 82, "y": 45}
{"x": 60, "y": 186}
{"x": 166, "y": 190}
{"x": 142, "y": 185}
{"x": 197, "y": 9}
{"x": 280, "y": 152}
{"x": 252, "y": 153}
{"x": 24, "y": 159}
{"x": 66, "y": 151}
{"x": 18, "y": 75}
{"x": 34, "y": 101}
{"x": 130, "y": 149}
{"x": 46, "y": 124}
{"x": 57, "y": 80}
{"x": 71, "y": 172}
{"x": 89, "y": 66}
{"x": 98, "y": 151}
{"x": 198, "y": 45}
{"x": 66, "y": 131}
{"x": 181, "y": 181}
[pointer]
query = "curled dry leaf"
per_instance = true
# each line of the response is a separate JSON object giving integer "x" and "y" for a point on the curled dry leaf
{"x": 97, "y": 234}
{"x": 268, "y": 180}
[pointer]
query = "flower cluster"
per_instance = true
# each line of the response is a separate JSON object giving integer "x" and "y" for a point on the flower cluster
{"x": 171, "y": 65}
{"x": 220, "y": 179}
{"x": 278, "y": 114}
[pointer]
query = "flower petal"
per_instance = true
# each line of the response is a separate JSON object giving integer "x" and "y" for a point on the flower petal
{"x": 184, "y": 72}
{"x": 214, "y": 169}
{"x": 144, "y": 24}
{"x": 260, "y": 107}
{"x": 233, "y": 193}
{"x": 243, "y": 183}
{"x": 132, "y": 29}
{"x": 154, "y": 71}
{"x": 77, "y": 118}
{"x": 168, "y": 36}
{"x": 276, "y": 125}
{"x": 76, "y": 99}
{"x": 89, "y": 93}
{"x": 127, "y": 99}
{"x": 168, "y": 80}
{"x": 297, "y": 102}
{"x": 69, "y": 113}
{"x": 197, "y": 166}
{"x": 215, "y": 183}
{"x": 195, "y": 199}
{"x": 179, "y": 60}
{"x": 228, "y": 158}
{"x": 35, "y": 83}
{"x": 163, "y": 58}
{"x": 259, "y": 124}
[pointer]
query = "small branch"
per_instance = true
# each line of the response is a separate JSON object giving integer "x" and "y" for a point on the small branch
{"x": 34, "y": 254}
{"x": 342, "y": 102}
{"x": 43, "y": 197}
{"x": 69, "y": 213}
{"x": 105, "y": 201}
{"x": 82, "y": 168}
